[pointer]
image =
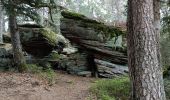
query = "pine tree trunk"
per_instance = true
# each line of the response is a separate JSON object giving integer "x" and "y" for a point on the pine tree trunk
{"x": 18, "y": 59}
{"x": 1, "y": 24}
{"x": 143, "y": 51}
{"x": 157, "y": 25}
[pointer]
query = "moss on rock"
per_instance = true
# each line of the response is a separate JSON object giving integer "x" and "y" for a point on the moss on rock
{"x": 87, "y": 23}
{"x": 37, "y": 41}
{"x": 49, "y": 35}
{"x": 107, "y": 30}
{"x": 53, "y": 56}
{"x": 73, "y": 15}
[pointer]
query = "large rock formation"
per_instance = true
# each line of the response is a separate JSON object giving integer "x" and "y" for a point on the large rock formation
{"x": 39, "y": 41}
{"x": 5, "y": 55}
{"x": 78, "y": 26}
{"x": 87, "y": 35}
{"x": 91, "y": 36}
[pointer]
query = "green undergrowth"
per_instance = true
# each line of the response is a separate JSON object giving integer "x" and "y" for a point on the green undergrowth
{"x": 53, "y": 56}
{"x": 47, "y": 73}
{"x": 112, "y": 89}
{"x": 44, "y": 72}
{"x": 118, "y": 89}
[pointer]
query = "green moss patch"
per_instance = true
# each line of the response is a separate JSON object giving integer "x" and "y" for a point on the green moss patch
{"x": 49, "y": 35}
{"x": 86, "y": 22}
{"x": 107, "y": 30}
{"x": 38, "y": 42}
{"x": 76, "y": 16}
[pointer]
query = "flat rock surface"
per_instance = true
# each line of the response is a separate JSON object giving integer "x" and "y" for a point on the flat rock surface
{"x": 16, "y": 86}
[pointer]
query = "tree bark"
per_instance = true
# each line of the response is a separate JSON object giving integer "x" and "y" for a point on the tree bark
{"x": 18, "y": 57}
{"x": 1, "y": 23}
{"x": 143, "y": 51}
{"x": 157, "y": 25}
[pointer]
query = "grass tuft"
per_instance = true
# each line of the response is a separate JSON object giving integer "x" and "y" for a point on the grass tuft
{"x": 112, "y": 89}
{"x": 45, "y": 73}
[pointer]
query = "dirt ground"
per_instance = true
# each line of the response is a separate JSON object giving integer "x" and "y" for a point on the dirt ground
{"x": 16, "y": 86}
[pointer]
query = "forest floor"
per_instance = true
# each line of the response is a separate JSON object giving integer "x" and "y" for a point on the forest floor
{"x": 17, "y": 86}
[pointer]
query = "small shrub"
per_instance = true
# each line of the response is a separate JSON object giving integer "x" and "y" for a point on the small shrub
{"x": 49, "y": 75}
{"x": 45, "y": 73}
{"x": 112, "y": 89}
{"x": 53, "y": 56}
{"x": 33, "y": 68}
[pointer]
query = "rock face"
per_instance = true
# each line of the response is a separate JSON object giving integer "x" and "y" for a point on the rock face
{"x": 80, "y": 64}
{"x": 39, "y": 41}
{"x": 6, "y": 38}
{"x": 5, "y": 55}
{"x": 90, "y": 36}
{"x": 78, "y": 26}
{"x": 91, "y": 55}
{"x": 109, "y": 70}
{"x": 74, "y": 64}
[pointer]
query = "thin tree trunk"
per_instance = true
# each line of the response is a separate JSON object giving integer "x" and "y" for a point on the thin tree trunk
{"x": 18, "y": 59}
{"x": 157, "y": 25}
{"x": 143, "y": 52}
{"x": 1, "y": 24}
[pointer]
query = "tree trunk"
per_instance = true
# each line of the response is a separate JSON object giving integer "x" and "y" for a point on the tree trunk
{"x": 157, "y": 25}
{"x": 18, "y": 56}
{"x": 1, "y": 24}
{"x": 143, "y": 51}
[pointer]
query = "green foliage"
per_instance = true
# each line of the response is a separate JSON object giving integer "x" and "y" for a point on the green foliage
{"x": 53, "y": 56}
{"x": 22, "y": 67}
{"x": 165, "y": 42}
{"x": 112, "y": 89}
{"x": 26, "y": 8}
{"x": 47, "y": 74}
{"x": 166, "y": 25}
{"x": 34, "y": 69}
{"x": 119, "y": 89}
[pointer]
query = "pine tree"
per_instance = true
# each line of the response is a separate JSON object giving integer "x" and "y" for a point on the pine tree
{"x": 143, "y": 50}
